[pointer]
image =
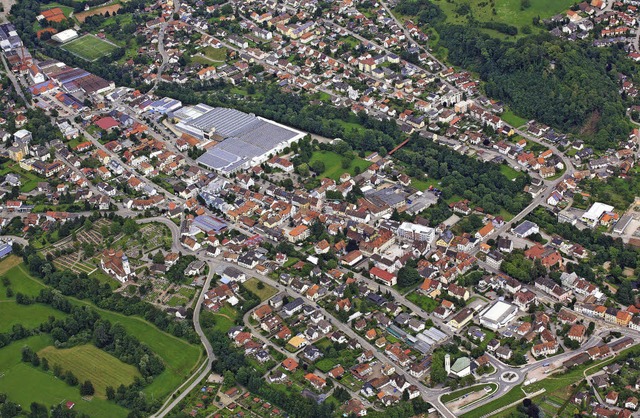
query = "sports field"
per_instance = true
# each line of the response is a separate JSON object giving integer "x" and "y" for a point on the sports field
{"x": 88, "y": 362}
{"x": 89, "y": 47}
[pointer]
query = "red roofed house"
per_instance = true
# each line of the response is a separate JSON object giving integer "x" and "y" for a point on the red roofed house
{"x": 383, "y": 276}
{"x": 107, "y": 123}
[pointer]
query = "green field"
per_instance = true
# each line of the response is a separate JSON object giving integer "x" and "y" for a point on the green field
{"x": 265, "y": 293}
{"x": 506, "y": 11}
{"x": 215, "y": 54}
{"x": 509, "y": 172}
{"x": 24, "y": 383}
{"x": 30, "y": 316}
{"x": 88, "y": 362}
{"x": 180, "y": 357}
{"x": 89, "y": 47}
{"x": 21, "y": 282}
{"x": 333, "y": 164}
{"x": 425, "y": 302}
{"x": 423, "y": 185}
{"x": 512, "y": 119}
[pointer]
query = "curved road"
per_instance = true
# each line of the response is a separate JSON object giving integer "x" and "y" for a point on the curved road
{"x": 204, "y": 370}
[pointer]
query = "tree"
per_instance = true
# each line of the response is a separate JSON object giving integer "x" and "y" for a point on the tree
{"x": 408, "y": 276}
{"x": 38, "y": 410}
{"x": 111, "y": 393}
{"x": 130, "y": 227}
{"x": 70, "y": 378}
{"x": 86, "y": 389}
{"x": 624, "y": 295}
{"x": 317, "y": 166}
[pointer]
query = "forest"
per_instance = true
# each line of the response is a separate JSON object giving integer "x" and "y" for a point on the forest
{"x": 571, "y": 86}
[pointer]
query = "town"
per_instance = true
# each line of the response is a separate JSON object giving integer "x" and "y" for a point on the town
{"x": 403, "y": 245}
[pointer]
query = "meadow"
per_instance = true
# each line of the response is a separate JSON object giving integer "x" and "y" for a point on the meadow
{"x": 88, "y": 362}
{"x": 333, "y": 164}
{"x": 179, "y": 356}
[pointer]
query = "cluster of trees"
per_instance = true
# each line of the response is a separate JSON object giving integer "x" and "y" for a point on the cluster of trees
{"x": 603, "y": 248}
{"x": 570, "y": 86}
{"x": 516, "y": 265}
{"x": 84, "y": 287}
{"x": 482, "y": 184}
{"x": 175, "y": 274}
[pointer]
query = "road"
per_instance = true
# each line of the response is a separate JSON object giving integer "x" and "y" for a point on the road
{"x": 179, "y": 394}
{"x": 15, "y": 82}
{"x": 161, "y": 49}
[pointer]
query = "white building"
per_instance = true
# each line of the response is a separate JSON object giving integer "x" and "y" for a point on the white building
{"x": 414, "y": 232}
{"x": 65, "y": 36}
{"x": 498, "y": 315}
{"x": 595, "y": 212}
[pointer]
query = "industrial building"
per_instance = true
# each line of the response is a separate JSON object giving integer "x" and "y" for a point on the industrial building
{"x": 245, "y": 139}
{"x": 595, "y": 212}
{"x": 498, "y": 315}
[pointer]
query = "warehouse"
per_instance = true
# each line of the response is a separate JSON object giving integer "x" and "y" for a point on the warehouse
{"x": 245, "y": 140}
{"x": 498, "y": 315}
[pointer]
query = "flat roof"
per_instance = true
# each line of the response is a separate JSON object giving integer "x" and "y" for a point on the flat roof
{"x": 497, "y": 311}
{"x": 596, "y": 210}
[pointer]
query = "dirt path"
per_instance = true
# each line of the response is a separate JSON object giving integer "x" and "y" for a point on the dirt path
{"x": 6, "y": 6}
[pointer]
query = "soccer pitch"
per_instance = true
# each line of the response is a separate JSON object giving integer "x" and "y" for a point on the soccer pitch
{"x": 89, "y": 47}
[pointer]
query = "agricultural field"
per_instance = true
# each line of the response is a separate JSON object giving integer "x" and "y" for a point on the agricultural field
{"x": 506, "y": 11}
{"x": 111, "y": 9}
{"x": 88, "y": 362}
{"x": 24, "y": 383}
{"x": 263, "y": 291}
{"x": 333, "y": 164}
{"x": 180, "y": 357}
{"x": 89, "y": 47}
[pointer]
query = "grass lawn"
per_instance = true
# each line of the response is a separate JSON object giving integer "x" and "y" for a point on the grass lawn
{"x": 88, "y": 362}
{"x": 265, "y": 293}
{"x": 507, "y": 11}
{"x": 215, "y": 54}
{"x": 326, "y": 364}
{"x": 89, "y": 47}
{"x": 30, "y": 316}
{"x": 333, "y": 164}
{"x": 29, "y": 180}
{"x": 225, "y": 318}
{"x": 423, "y": 185}
{"x": 11, "y": 268}
{"x": 471, "y": 389}
{"x": 509, "y": 172}
{"x": 425, "y": 302}
{"x": 24, "y": 383}
{"x": 512, "y": 119}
